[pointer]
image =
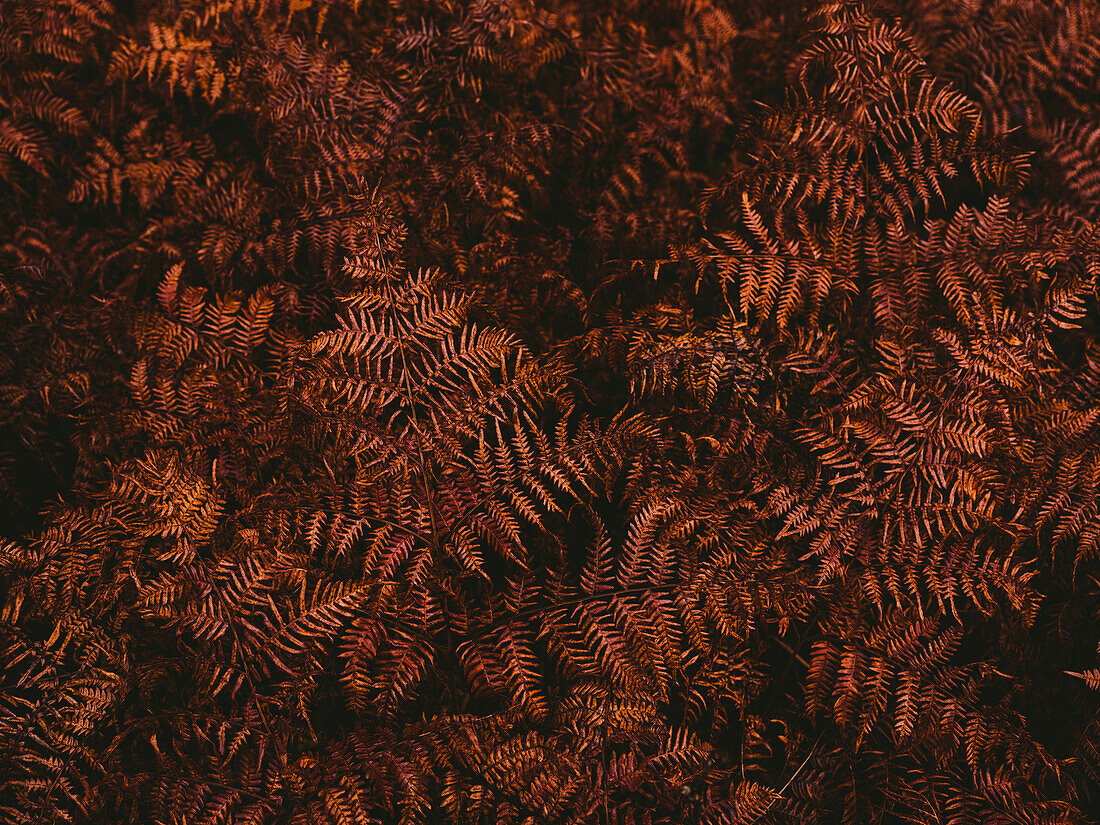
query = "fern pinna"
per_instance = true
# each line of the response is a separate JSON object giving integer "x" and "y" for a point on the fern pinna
{"x": 459, "y": 411}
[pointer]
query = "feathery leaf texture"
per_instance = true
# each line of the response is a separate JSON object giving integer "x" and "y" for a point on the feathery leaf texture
{"x": 490, "y": 411}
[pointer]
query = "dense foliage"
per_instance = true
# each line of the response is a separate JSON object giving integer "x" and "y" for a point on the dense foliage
{"x": 536, "y": 411}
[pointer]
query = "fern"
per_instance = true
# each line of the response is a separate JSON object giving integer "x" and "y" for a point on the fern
{"x": 510, "y": 412}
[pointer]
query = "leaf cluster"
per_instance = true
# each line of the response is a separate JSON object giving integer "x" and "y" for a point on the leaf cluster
{"x": 532, "y": 412}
